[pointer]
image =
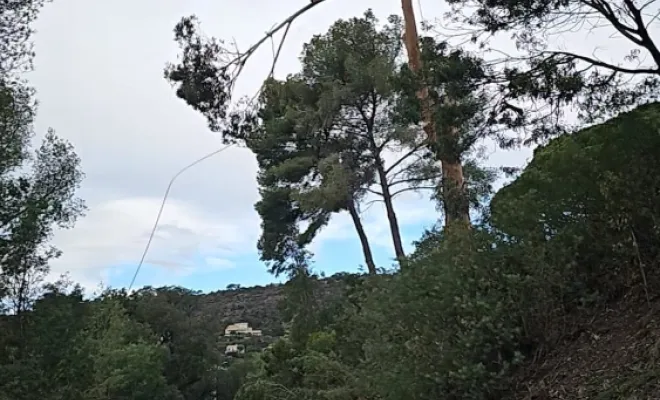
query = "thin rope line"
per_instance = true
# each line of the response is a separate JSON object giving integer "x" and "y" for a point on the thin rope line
{"x": 421, "y": 13}
{"x": 162, "y": 206}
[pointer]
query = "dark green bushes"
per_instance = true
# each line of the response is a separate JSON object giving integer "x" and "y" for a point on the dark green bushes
{"x": 591, "y": 200}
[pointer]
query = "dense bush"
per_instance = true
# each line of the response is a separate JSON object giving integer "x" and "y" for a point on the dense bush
{"x": 456, "y": 319}
{"x": 591, "y": 200}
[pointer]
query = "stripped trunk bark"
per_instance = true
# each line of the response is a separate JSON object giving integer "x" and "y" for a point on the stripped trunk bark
{"x": 364, "y": 241}
{"x": 456, "y": 206}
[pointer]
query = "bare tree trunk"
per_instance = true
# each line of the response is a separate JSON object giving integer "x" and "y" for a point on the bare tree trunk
{"x": 20, "y": 300}
{"x": 20, "y": 295}
{"x": 389, "y": 208}
{"x": 456, "y": 207}
{"x": 364, "y": 241}
{"x": 455, "y": 201}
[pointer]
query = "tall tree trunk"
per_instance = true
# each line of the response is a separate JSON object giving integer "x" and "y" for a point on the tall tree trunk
{"x": 455, "y": 201}
{"x": 389, "y": 208}
{"x": 364, "y": 241}
{"x": 456, "y": 207}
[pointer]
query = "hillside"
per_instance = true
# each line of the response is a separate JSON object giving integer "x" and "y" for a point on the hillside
{"x": 257, "y": 305}
{"x": 611, "y": 353}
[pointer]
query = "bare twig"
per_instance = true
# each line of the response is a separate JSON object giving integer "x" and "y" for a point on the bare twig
{"x": 207, "y": 71}
{"x": 241, "y": 59}
{"x": 279, "y": 50}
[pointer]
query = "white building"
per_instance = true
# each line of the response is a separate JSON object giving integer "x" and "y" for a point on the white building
{"x": 234, "y": 349}
{"x": 242, "y": 329}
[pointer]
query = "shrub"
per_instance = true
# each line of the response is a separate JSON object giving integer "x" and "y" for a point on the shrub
{"x": 457, "y": 319}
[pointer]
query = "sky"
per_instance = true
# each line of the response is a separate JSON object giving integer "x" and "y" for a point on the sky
{"x": 99, "y": 80}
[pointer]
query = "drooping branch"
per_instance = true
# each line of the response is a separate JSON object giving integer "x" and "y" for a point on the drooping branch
{"x": 598, "y": 63}
{"x": 207, "y": 71}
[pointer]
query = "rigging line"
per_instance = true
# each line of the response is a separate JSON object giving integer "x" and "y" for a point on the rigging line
{"x": 162, "y": 206}
{"x": 421, "y": 14}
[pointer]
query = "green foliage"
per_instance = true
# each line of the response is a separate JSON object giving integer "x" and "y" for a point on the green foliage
{"x": 456, "y": 317}
{"x": 15, "y": 35}
{"x": 37, "y": 186}
{"x": 200, "y": 82}
{"x": 126, "y": 362}
{"x": 66, "y": 348}
{"x": 323, "y": 133}
{"x": 471, "y": 305}
{"x": 455, "y": 80}
{"x": 193, "y": 354}
{"x": 577, "y": 227}
{"x": 37, "y": 192}
{"x": 591, "y": 199}
{"x": 302, "y": 374}
{"x": 37, "y": 356}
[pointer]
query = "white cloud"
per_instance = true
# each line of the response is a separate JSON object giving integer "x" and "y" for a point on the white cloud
{"x": 116, "y": 233}
{"x": 218, "y": 263}
{"x": 412, "y": 210}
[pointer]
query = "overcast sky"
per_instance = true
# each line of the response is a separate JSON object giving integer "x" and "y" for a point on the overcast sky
{"x": 99, "y": 77}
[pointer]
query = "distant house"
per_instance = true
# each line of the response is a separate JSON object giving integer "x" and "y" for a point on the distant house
{"x": 234, "y": 349}
{"x": 241, "y": 329}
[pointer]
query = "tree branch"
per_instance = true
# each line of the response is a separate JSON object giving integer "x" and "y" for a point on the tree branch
{"x": 603, "y": 64}
{"x": 404, "y": 157}
{"x": 411, "y": 180}
{"x": 641, "y": 30}
{"x": 242, "y": 58}
{"x": 370, "y": 203}
{"x": 604, "y": 9}
{"x": 279, "y": 50}
{"x": 413, "y": 188}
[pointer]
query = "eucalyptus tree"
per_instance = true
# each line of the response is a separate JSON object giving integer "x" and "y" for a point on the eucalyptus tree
{"x": 456, "y": 83}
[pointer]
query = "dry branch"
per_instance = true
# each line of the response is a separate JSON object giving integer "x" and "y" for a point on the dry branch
{"x": 207, "y": 71}
{"x": 241, "y": 59}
